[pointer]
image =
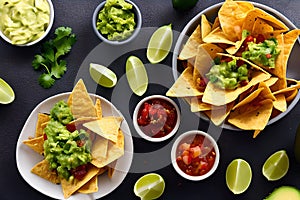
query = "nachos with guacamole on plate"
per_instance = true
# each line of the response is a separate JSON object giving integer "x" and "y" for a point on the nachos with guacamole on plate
{"x": 234, "y": 68}
{"x": 78, "y": 144}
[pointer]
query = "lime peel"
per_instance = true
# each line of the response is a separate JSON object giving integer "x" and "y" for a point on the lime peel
{"x": 103, "y": 75}
{"x": 160, "y": 44}
{"x": 7, "y": 94}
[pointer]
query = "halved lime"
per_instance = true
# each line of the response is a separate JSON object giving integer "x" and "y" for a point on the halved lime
{"x": 103, "y": 75}
{"x": 149, "y": 186}
{"x": 136, "y": 75}
{"x": 7, "y": 94}
{"x": 238, "y": 176}
{"x": 276, "y": 166}
{"x": 160, "y": 44}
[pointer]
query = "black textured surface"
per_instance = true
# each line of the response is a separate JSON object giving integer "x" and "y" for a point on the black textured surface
{"x": 16, "y": 69}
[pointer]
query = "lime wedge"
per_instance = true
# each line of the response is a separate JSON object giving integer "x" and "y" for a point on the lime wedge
{"x": 149, "y": 186}
{"x": 7, "y": 94}
{"x": 136, "y": 75}
{"x": 102, "y": 75}
{"x": 276, "y": 166}
{"x": 160, "y": 44}
{"x": 238, "y": 176}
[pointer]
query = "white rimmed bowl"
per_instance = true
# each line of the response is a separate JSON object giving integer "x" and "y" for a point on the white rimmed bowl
{"x": 139, "y": 130}
{"x": 51, "y": 21}
{"x": 182, "y": 138}
{"x": 137, "y": 18}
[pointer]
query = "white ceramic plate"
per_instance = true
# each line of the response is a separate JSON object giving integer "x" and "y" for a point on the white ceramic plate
{"x": 293, "y": 71}
{"x": 26, "y": 158}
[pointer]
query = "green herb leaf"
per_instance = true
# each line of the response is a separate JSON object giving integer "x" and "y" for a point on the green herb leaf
{"x": 46, "y": 81}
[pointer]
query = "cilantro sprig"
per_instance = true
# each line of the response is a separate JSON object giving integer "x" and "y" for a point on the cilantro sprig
{"x": 50, "y": 58}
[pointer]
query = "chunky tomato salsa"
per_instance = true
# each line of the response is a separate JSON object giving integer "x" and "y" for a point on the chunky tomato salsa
{"x": 195, "y": 155}
{"x": 157, "y": 117}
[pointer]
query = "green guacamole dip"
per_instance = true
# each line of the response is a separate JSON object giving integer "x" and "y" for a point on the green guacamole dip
{"x": 264, "y": 53}
{"x": 116, "y": 20}
{"x": 63, "y": 149}
{"x": 227, "y": 75}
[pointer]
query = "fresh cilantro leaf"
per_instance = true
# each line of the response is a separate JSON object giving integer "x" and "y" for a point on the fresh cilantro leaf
{"x": 50, "y": 55}
{"x": 46, "y": 81}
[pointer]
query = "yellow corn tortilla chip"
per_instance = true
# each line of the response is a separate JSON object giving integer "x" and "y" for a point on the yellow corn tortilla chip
{"x": 291, "y": 95}
{"x": 100, "y": 146}
{"x": 216, "y": 96}
{"x": 106, "y": 127}
{"x": 256, "y": 132}
{"x": 43, "y": 170}
{"x": 36, "y": 144}
{"x": 218, "y": 116}
{"x": 205, "y": 26}
{"x": 218, "y": 36}
{"x": 280, "y": 103}
{"x": 271, "y": 81}
{"x": 216, "y": 23}
{"x": 81, "y": 103}
{"x": 254, "y": 116}
{"x": 90, "y": 187}
{"x": 232, "y": 15}
{"x": 114, "y": 151}
{"x": 184, "y": 86}
{"x": 260, "y": 26}
{"x": 98, "y": 108}
{"x": 197, "y": 105}
{"x": 189, "y": 50}
{"x": 249, "y": 98}
{"x": 70, "y": 187}
{"x": 42, "y": 118}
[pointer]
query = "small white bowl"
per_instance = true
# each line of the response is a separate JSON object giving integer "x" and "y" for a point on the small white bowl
{"x": 51, "y": 21}
{"x": 174, "y": 156}
{"x": 137, "y": 17}
{"x": 139, "y": 130}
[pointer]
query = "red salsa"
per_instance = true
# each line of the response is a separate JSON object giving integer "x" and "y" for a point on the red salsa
{"x": 157, "y": 117}
{"x": 195, "y": 155}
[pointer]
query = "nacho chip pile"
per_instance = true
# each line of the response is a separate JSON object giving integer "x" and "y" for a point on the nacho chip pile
{"x": 107, "y": 139}
{"x": 267, "y": 94}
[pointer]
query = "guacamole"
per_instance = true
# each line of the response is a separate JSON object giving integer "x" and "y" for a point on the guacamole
{"x": 263, "y": 53}
{"x": 228, "y": 75}
{"x": 65, "y": 150}
{"x": 116, "y": 20}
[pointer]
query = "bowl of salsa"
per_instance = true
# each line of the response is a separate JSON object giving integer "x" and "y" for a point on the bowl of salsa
{"x": 156, "y": 118}
{"x": 195, "y": 155}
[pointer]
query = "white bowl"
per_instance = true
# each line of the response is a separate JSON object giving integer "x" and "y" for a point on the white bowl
{"x": 137, "y": 17}
{"x": 174, "y": 157}
{"x": 40, "y": 38}
{"x": 139, "y": 130}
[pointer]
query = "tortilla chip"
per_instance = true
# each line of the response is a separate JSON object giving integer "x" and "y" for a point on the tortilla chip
{"x": 218, "y": 36}
{"x": 99, "y": 148}
{"x": 280, "y": 103}
{"x": 216, "y": 23}
{"x": 81, "y": 103}
{"x": 36, "y": 144}
{"x": 184, "y": 86}
{"x": 70, "y": 187}
{"x": 90, "y": 187}
{"x": 217, "y": 96}
{"x": 43, "y": 170}
{"x": 115, "y": 151}
{"x": 232, "y": 15}
{"x": 256, "y": 132}
{"x": 205, "y": 26}
{"x": 218, "y": 116}
{"x": 271, "y": 81}
{"x": 249, "y": 98}
{"x": 260, "y": 26}
{"x": 111, "y": 169}
{"x": 106, "y": 127}
{"x": 190, "y": 48}
{"x": 98, "y": 108}
{"x": 254, "y": 116}
{"x": 290, "y": 96}
{"x": 42, "y": 118}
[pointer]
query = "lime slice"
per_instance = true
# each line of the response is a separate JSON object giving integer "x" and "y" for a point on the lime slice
{"x": 160, "y": 44}
{"x": 136, "y": 75}
{"x": 102, "y": 75}
{"x": 276, "y": 166}
{"x": 7, "y": 94}
{"x": 149, "y": 186}
{"x": 238, "y": 176}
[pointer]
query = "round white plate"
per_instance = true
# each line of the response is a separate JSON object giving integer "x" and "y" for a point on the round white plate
{"x": 26, "y": 158}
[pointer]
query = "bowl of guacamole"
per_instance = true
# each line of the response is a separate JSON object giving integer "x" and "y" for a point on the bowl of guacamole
{"x": 25, "y": 23}
{"x": 117, "y": 21}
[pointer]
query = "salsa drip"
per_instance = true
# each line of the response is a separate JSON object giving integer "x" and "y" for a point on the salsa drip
{"x": 157, "y": 117}
{"x": 195, "y": 155}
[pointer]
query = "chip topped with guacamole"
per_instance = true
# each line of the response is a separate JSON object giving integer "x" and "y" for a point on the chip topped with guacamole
{"x": 116, "y": 20}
